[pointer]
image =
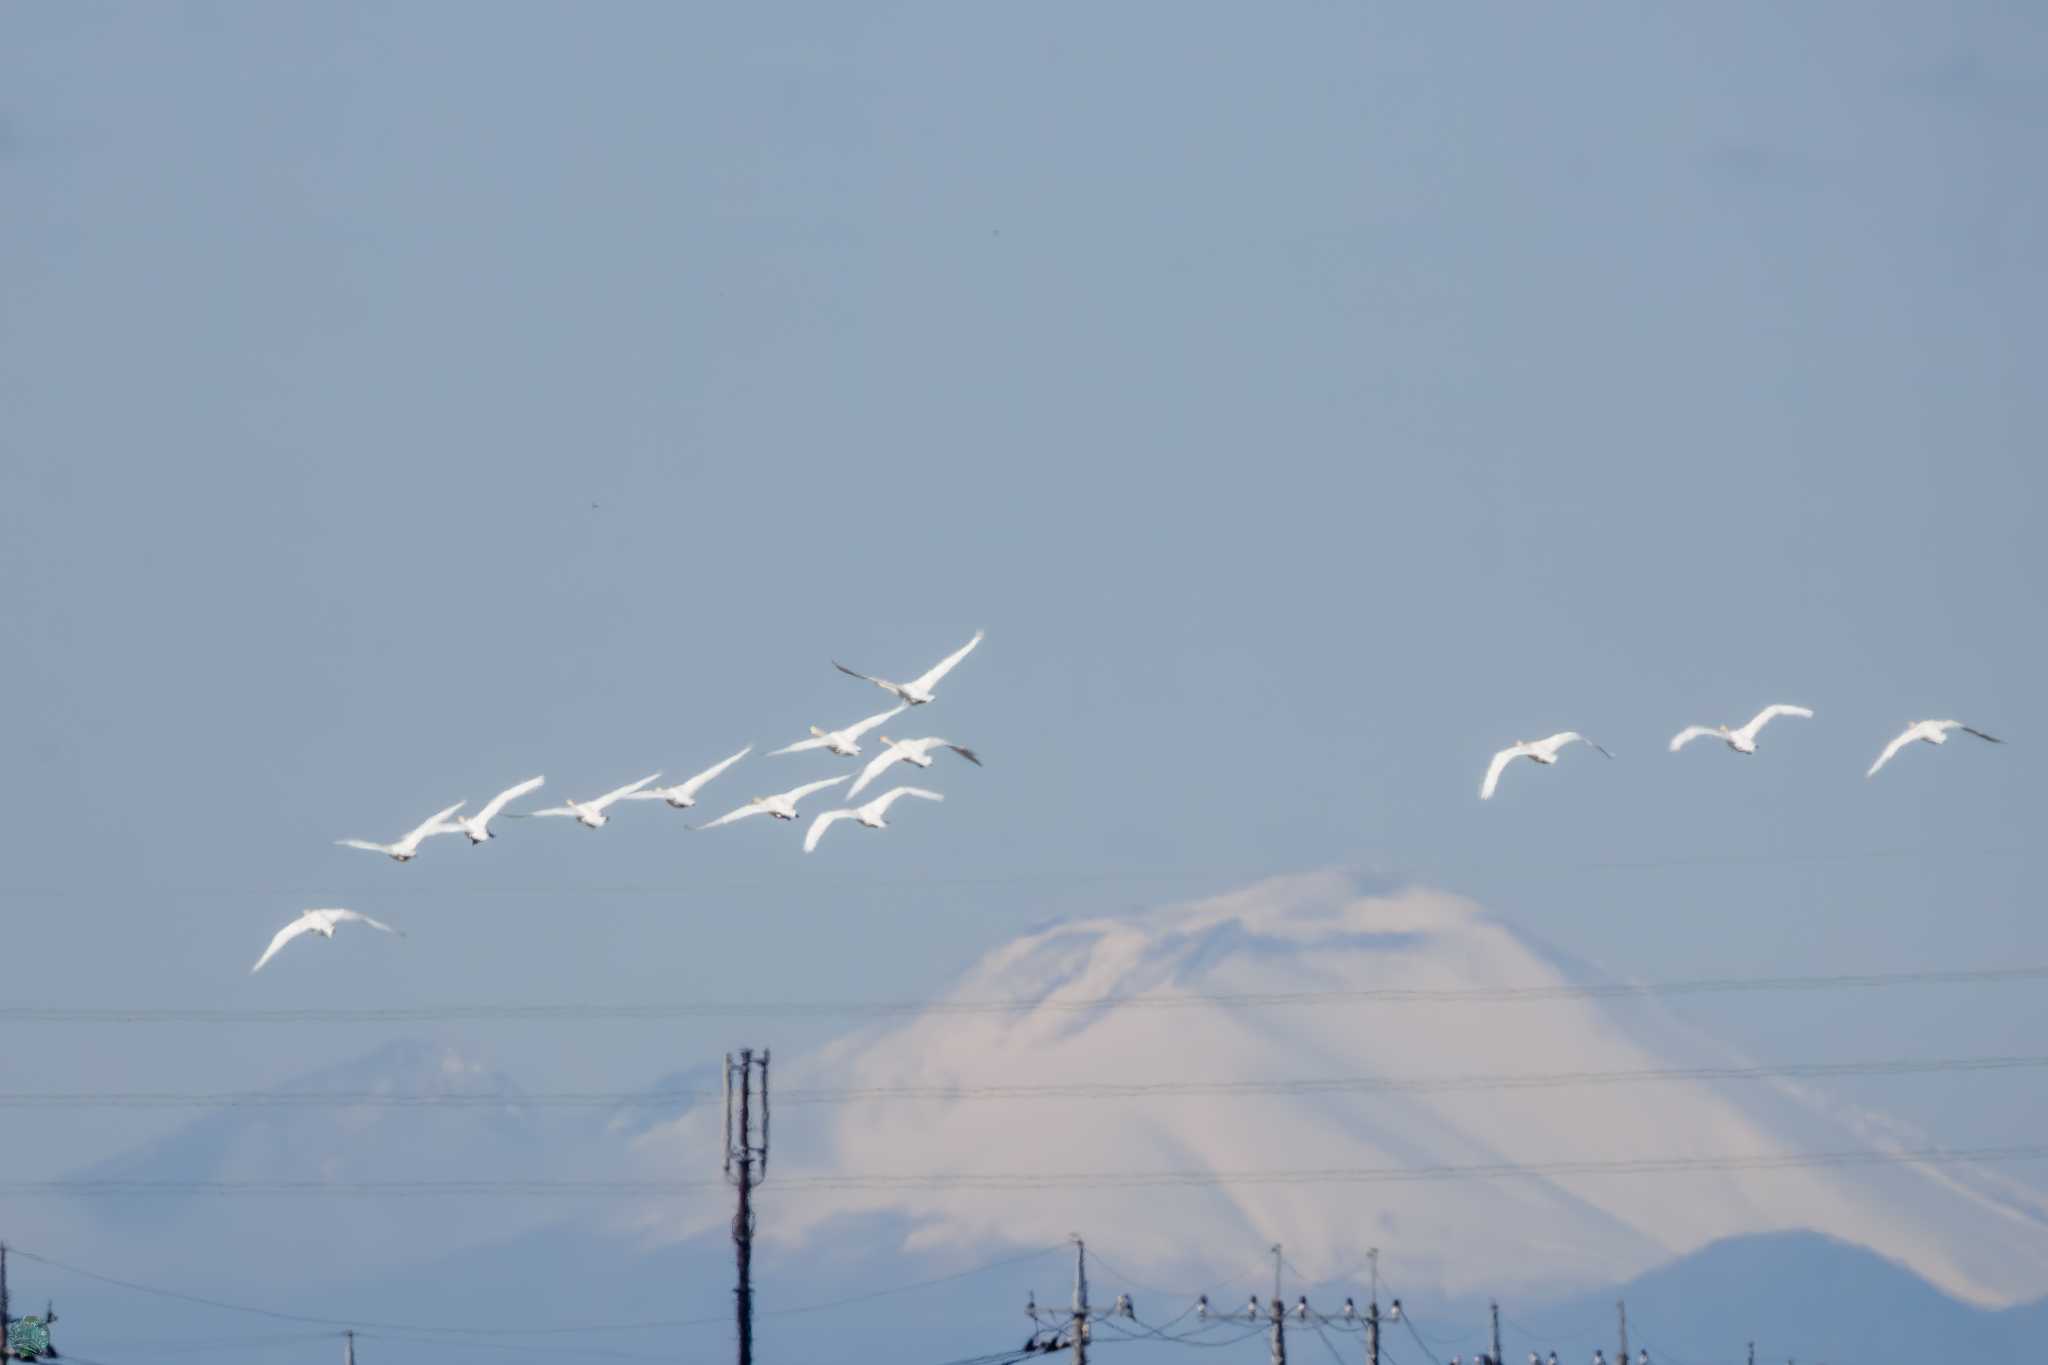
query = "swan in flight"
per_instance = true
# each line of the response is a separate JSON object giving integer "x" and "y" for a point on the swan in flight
{"x": 478, "y": 826}
{"x": 1933, "y": 732}
{"x": 782, "y": 806}
{"x": 1543, "y": 751}
{"x": 917, "y": 751}
{"x": 869, "y": 815}
{"x": 918, "y": 691}
{"x": 845, "y": 742}
{"x": 590, "y": 814}
{"x": 683, "y": 795}
{"x": 1742, "y": 741}
{"x": 404, "y": 850}
{"x": 319, "y": 922}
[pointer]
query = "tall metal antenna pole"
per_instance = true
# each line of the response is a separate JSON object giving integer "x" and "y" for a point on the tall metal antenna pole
{"x": 1621, "y": 1315}
{"x": 348, "y": 1348}
{"x": 1495, "y": 1307}
{"x": 1080, "y": 1302}
{"x": 746, "y": 1159}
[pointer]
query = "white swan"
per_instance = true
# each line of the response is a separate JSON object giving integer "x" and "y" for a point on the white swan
{"x": 918, "y": 691}
{"x": 1542, "y": 751}
{"x": 782, "y": 806}
{"x": 478, "y": 826}
{"x": 845, "y": 742}
{"x": 869, "y": 815}
{"x": 1926, "y": 731}
{"x": 406, "y": 849}
{"x": 683, "y": 795}
{"x": 913, "y": 751}
{"x": 319, "y": 922}
{"x": 590, "y": 814}
{"x": 1742, "y": 741}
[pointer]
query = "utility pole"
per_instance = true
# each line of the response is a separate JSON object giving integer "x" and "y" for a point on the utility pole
{"x": 1279, "y": 1314}
{"x": 1372, "y": 1311}
{"x": 348, "y": 1349}
{"x": 1494, "y": 1306}
{"x": 1621, "y": 1315}
{"x": 1080, "y": 1302}
{"x": 6, "y": 1352}
{"x": 742, "y": 1152}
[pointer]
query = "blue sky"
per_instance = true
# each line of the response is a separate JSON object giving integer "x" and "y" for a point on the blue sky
{"x": 402, "y": 400}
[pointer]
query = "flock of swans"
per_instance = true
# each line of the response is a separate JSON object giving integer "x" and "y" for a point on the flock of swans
{"x": 1742, "y": 741}
{"x": 591, "y": 814}
{"x": 846, "y": 743}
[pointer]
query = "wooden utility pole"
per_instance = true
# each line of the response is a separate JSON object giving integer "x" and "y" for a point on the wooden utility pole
{"x": 746, "y": 1163}
{"x": 1279, "y": 1314}
{"x": 348, "y": 1348}
{"x": 1080, "y": 1302}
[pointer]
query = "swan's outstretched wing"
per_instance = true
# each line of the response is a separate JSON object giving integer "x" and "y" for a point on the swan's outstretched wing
{"x": 1772, "y": 712}
{"x": 1493, "y": 770}
{"x": 814, "y": 742}
{"x": 964, "y": 752}
{"x": 433, "y": 824}
{"x": 510, "y": 794}
{"x": 824, "y": 822}
{"x": 555, "y": 810}
{"x": 689, "y": 789}
{"x": 622, "y": 793}
{"x": 946, "y": 665}
{"x": 740, "y": 813}
{"x": 859, "y": 728}
{"x": 1689, "y": 734}
{"x": 795, "y": 794}
{"x": 1980, "y": 734}
{"x": 283, "y": 936}
{"x": 874, "y": 768}
{"x": 1912, "y": 732}
{"x": 889, "y": 798}
{"x": 363, "y": 844}
{"x": 356, "y": 917}
{"x": 882, "y": 683}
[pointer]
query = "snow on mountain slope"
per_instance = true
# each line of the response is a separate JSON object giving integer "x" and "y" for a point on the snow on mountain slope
{"x": 1974, "y": 1233}
{"x": 332, "y": 1144}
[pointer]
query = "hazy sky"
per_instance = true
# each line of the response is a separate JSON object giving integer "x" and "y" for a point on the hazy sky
{"x": 400, "y": 400}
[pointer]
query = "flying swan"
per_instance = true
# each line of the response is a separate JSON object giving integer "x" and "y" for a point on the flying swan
{"x": 1930, "y": 731}
{"x": 915, "y": 751}
{"x": 918, "y": 691}
{"x": 1742, "y": 741}
{"x": 319, "y": 922}
{"x": 406, "y": 849}
{"x": 869, "y": 815}
{"x": 781, "y": 806}
{"x": 1543, "y": 751}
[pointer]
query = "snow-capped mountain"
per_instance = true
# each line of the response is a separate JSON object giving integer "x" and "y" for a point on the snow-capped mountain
{"x": 1973, "y": 1233}
{"x": 461, "y": 1119}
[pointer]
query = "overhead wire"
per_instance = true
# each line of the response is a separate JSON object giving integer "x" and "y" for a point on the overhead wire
{"x": 1040, "y": 1180}
{"x": 1366, "y": 995}
{"x": 579, "y": 1329}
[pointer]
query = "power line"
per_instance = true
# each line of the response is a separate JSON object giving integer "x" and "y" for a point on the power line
{"x": 1074, "y": 1090}
{"x": 1539, "y": 866}
{"x": 991, "y": 1181}
{"x": 522, "y": 1331}
{"x": 1371, "y": 995}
